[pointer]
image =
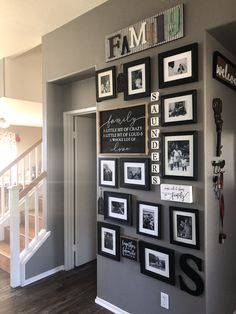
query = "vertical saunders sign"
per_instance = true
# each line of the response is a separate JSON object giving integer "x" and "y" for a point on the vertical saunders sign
{"x": 156, "y": 30}
{"x": 123, "y": 131}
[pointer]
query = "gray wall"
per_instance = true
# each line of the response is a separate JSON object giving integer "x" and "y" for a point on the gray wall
{"x": 77, "y": 46}
{"x": 220, "y": 259}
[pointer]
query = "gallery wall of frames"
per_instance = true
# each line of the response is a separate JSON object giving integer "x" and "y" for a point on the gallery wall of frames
{"x": 136, "y": 153}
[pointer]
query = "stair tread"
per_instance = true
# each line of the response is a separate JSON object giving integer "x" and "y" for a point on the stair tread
{"x": 5, "y": 249}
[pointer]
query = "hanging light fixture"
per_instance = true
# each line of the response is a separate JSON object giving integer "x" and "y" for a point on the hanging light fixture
{"x": 3, "y": 123}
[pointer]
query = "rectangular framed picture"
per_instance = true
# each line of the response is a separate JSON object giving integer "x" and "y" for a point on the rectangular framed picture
{"x": 118, "y": 206}
{"x": 179, "y": 108}
{"x": 149, "y": 219}
{"x": 137, "y": 79}
{"x": 129, "y": 248}
{"x": 179, "y": 155}
{"x": 157, "y": 262}
{"x": 184, "y": 227}
{"x": 106, "y": 83}
{"x": 134, "y": 173}
{"x": 178, "y": 66}
{"x": 108, "y": 172}
{"x": 108, "y": 240}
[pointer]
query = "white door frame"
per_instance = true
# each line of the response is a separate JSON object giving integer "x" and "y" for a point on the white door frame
{"x": 69, "y": 183}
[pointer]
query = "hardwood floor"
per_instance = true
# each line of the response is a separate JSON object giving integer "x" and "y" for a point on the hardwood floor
{"x": 71, "y": 292}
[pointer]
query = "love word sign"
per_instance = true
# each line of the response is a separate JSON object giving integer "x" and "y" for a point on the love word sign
{"x": 123, "y": 130}
{"x": 156, "y": 30}
{"x": 176, "y": 193}
{"x": 224, "y": 70}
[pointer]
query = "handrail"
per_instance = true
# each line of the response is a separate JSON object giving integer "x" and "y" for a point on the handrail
{"x": 33, "y": 184}
{"x": 20, "y": 157}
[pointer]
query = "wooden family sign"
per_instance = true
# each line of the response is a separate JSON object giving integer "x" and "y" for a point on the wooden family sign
{"x": 123, "y": 131}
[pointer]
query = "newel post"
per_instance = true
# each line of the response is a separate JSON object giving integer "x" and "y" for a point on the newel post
{"x": 14, "y": 236}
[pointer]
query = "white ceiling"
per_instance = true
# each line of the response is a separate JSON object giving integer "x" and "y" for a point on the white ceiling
{"x": 23, "y": 22}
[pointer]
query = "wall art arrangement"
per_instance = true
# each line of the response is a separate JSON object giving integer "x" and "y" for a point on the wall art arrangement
{"x": 136, "y": 153}
{"x": 224, "y": 70}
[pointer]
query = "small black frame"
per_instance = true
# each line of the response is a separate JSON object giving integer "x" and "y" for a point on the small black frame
{"x": 108, "y": 172}
{"x": 106, "y": 83}
{"x": 129, "y": 248}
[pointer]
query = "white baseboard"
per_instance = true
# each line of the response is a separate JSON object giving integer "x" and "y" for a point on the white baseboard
{"x": 43, "y": 275}
{"x": 109, "y": 306}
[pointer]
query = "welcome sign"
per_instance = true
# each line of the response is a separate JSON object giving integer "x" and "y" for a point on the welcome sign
{"x": 224, "y": 70}
{"x": 156, "y": 30}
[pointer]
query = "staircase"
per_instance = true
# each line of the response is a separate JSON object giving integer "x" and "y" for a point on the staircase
{"x": 22, "y": 212}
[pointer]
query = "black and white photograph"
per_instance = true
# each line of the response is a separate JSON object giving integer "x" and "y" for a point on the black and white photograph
{"x": 179, "y": 155}
{"x": 184, "y": 227}
{"x": 129, "y": 248}
{"x": 117, "y": 206}
{"x": 108, "y": 172}
{"x": 178, "y": 66}
{"x": 137, "y": 78}
{"x": 149, "y": 219}
{"x": 157, "y": 262}
{"x": 106, "y": 83}
{"x": 108, "y": 240}
{"x": 134, "y": 173}
{"x": 179, "y": 108}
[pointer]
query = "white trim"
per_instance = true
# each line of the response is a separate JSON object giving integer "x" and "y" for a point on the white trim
{"x": 109, "y": 306}
{"x": 69, "y": 183}
{"x": 43, "y": 275}
{"x": 4, "y": 222}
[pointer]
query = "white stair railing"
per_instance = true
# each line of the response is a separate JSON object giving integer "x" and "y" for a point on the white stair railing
{"x": 20, "y": 172}
{"x": 20, "y": 204}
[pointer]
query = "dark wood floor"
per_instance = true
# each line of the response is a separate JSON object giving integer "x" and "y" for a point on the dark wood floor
{"x": 71, "y": 292}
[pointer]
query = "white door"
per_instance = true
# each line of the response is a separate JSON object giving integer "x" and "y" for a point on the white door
{"x": 85, "y": 189}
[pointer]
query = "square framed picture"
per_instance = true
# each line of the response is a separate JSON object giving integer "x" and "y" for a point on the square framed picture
{"x": 129, "y": 248}
{"x": 157, "y": 262}
{"x": 108, "y": 240}
{"x": 106, "y": 83}
{"x": 108, "y": 172}
{"x": 137, "y": 79}
{"x": 118, "y": 206}
{"x": 149, "y": 219}
{"x": 179, "y": 155}
{"x": 134, "y": 173}
{"x": 178, "y": 66}
{"x": 184, "y": 227}
{"x": 179, "y": 108}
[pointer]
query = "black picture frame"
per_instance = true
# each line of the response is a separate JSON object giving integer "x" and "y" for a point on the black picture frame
{"x": 134, "y": 173}
{"x": 179, "y": 155}
{"x": 118, "y": 207}
{"x": 108, "y": 240}
{"x": 157, "y": 262}
{"x": 137, "y": 79}
{"x": 184, "y": 227}
{"x": 106, "y": 83}
{"x": 179, "y": 108}
{"x": 149, "y": 219}
{"x": 108, "y": 172}
{"x": 178, "y": 66}
{"x": 219, "y": 72}
{"x": 129, "y": 248}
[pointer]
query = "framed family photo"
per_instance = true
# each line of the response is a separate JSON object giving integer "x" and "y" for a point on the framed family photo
{"x": 108, "y": 240}
{"x": 178, "y": 66}
{"x": 118, "y": 206}
{"x": 129, "y": 248}
{"x": 179, "y": 108}
{"x": 149, "y": 219}
{"x": 134, "y": 173}
{"x": 108, "y": 172}
{"x": 179, "y": 155}
{"x": 106, "y": 83}
{"x": 184, "y": 227}
{"x": 157, "y": 262}
{"x": 137, "y": 79}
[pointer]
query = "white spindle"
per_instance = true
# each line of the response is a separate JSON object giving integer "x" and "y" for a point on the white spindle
{"x": 36, "y": 213}
{"x": 23, "y": 177}
{"x": 36, "y": 162}
{"x": 17, "y": 173}
{"x": 30, "y": 168}
{"x": 2, "y": 197}
{"x": 14, "y": 236}
{"x": 27, "y": 221}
